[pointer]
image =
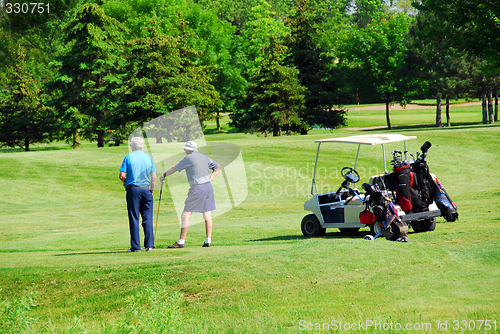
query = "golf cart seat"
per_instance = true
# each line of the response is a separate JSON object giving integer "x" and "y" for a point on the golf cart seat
{"x": 332, "y": 197}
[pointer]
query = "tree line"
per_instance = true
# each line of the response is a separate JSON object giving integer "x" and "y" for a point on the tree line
{"x": 82, "y": 69}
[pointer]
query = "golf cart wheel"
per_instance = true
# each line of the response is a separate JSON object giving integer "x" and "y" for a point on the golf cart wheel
{"x": 425, "y": 225}
{"x": 349, "y": 230}
{"x": 375, "y": 228}
{"x": 311, "y": 226}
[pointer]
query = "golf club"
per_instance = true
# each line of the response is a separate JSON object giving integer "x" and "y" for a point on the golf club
{"x": 158, "y": 213}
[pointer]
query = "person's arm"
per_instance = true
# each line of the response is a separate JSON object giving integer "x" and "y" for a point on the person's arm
{"x": 170, "y": 171}
{"x": 123, "y": 176}
{"x": 215, "y": 172}
{"x": 153, "y": 182}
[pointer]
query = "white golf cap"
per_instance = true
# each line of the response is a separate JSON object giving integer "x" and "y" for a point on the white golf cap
{"x": 191, "y": 146}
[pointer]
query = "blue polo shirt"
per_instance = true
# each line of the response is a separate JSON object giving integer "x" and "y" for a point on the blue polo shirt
{"x": 138, "y": 166}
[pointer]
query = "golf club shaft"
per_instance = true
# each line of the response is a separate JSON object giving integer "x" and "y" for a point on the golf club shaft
{"x": 158, "y": 213}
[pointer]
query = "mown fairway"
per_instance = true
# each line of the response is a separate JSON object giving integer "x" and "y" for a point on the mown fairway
{"x": 65, "y": 232}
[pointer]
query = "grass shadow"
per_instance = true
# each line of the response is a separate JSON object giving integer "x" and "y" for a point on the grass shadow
{"x": 91, "y": 253}
{"x": 35, "y": 149}
{"x": 214, "y": 131}
{"x": 328, "y": 235}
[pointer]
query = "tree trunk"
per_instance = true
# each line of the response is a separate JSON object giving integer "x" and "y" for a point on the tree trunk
{"x": 448, "y": 121}
{"x": 490, "y": 107}
{"x": 496, "y": 107}
{"x": 26, "y": 144}
{"x": 170, "y": 135}
{"x": 387, "y": 115}
{"x": 100, "y": 132}
{"x": 218, "y": 120}
{"x": 485, "y": 110}
{"x": 276, "y": 130}
{"x": 159, "y": 140}
{"x": 438, "y": 110}
{"x": 76, "y": 140}
{"x": 100, "y": 138}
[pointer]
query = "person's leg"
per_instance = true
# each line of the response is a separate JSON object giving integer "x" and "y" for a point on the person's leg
{"x": 207, "y": 216}
{"x": 185, "y": 224}
{"x": 133, "y": 208}
{"x": 147, "y": 218}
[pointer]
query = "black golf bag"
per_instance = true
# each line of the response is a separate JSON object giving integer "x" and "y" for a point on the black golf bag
{"x": 386, "y": 216}
{"x": 407, "y": 194}
{"x": 417, "y": 188}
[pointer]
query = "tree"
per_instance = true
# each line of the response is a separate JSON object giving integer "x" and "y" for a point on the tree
{"x": 376, "y": 54}
{"x": 314, "y": 63}
{"x": 475, "y": 23}
{"x": 274, "y": 98}
{"x": 37, "y": 30}
{"x": 441, "y": 70}
{"x": 160, "y": 77}
{"x": 87, "y": 73}
{"x": 23, "y": 117}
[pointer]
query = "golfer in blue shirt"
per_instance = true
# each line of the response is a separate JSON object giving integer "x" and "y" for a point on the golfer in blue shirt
{"x": 201, "y": 194}
{"x": 138, "y": 174}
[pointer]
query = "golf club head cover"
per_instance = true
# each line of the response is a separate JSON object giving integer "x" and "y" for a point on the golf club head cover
{"x": 427, "y": 145}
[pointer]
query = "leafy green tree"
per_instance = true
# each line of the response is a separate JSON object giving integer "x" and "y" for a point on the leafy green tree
{"x": 454, "y": 64}
{"x": 274, "y": 98}
{"x": 240, "y": 12}
{"x": 23, "y": 117}
{"x": 441, "y": 70}
{"x": 37, "y": 29}
{"x": 474, "y": 26}
{"x": 87, "y": 73}
{"x": 376, "y": 54}
{"x": 315, "y": 63}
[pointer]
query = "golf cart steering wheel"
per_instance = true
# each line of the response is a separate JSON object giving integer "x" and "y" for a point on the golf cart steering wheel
{"x": 350, "y": 174}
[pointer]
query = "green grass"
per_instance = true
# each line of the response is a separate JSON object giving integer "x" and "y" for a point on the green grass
{"x": 459, "y": 115}
{"x": 64, "y": 268}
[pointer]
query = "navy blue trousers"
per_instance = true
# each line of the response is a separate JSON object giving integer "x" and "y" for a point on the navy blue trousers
{"x": 140, "y": 202}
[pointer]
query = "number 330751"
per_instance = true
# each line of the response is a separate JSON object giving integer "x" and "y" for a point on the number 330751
{"x": 27, "y": 8}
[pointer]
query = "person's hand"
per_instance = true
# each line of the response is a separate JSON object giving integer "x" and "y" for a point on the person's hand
{"x": 162, "y": 178}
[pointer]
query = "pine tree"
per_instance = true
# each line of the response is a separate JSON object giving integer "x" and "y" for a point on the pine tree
{"x": 160, "y": 77}
{"x": 315, "y": 71}
{"x": 274, "y": 98}
{"x": 87, "y": 73}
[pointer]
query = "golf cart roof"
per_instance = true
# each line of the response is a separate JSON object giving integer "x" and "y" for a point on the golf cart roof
{"x": 368, "y": 139}
{"x": 379, "y": 139}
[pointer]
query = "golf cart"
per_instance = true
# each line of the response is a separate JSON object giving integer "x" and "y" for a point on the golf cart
{"x": 341, "y": 209}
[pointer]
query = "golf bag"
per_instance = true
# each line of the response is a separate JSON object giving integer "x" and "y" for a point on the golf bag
{"x": 423, "y": 182}
{"x": 443, "y": 201}
{"x": 386, "y": 216}
{"x": 407, "y": 195}
{"x": 417, "y": 188}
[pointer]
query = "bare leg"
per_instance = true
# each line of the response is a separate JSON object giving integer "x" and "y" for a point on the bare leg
{"x": 207, "y": 216}
{"x": 185, "y": 224}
